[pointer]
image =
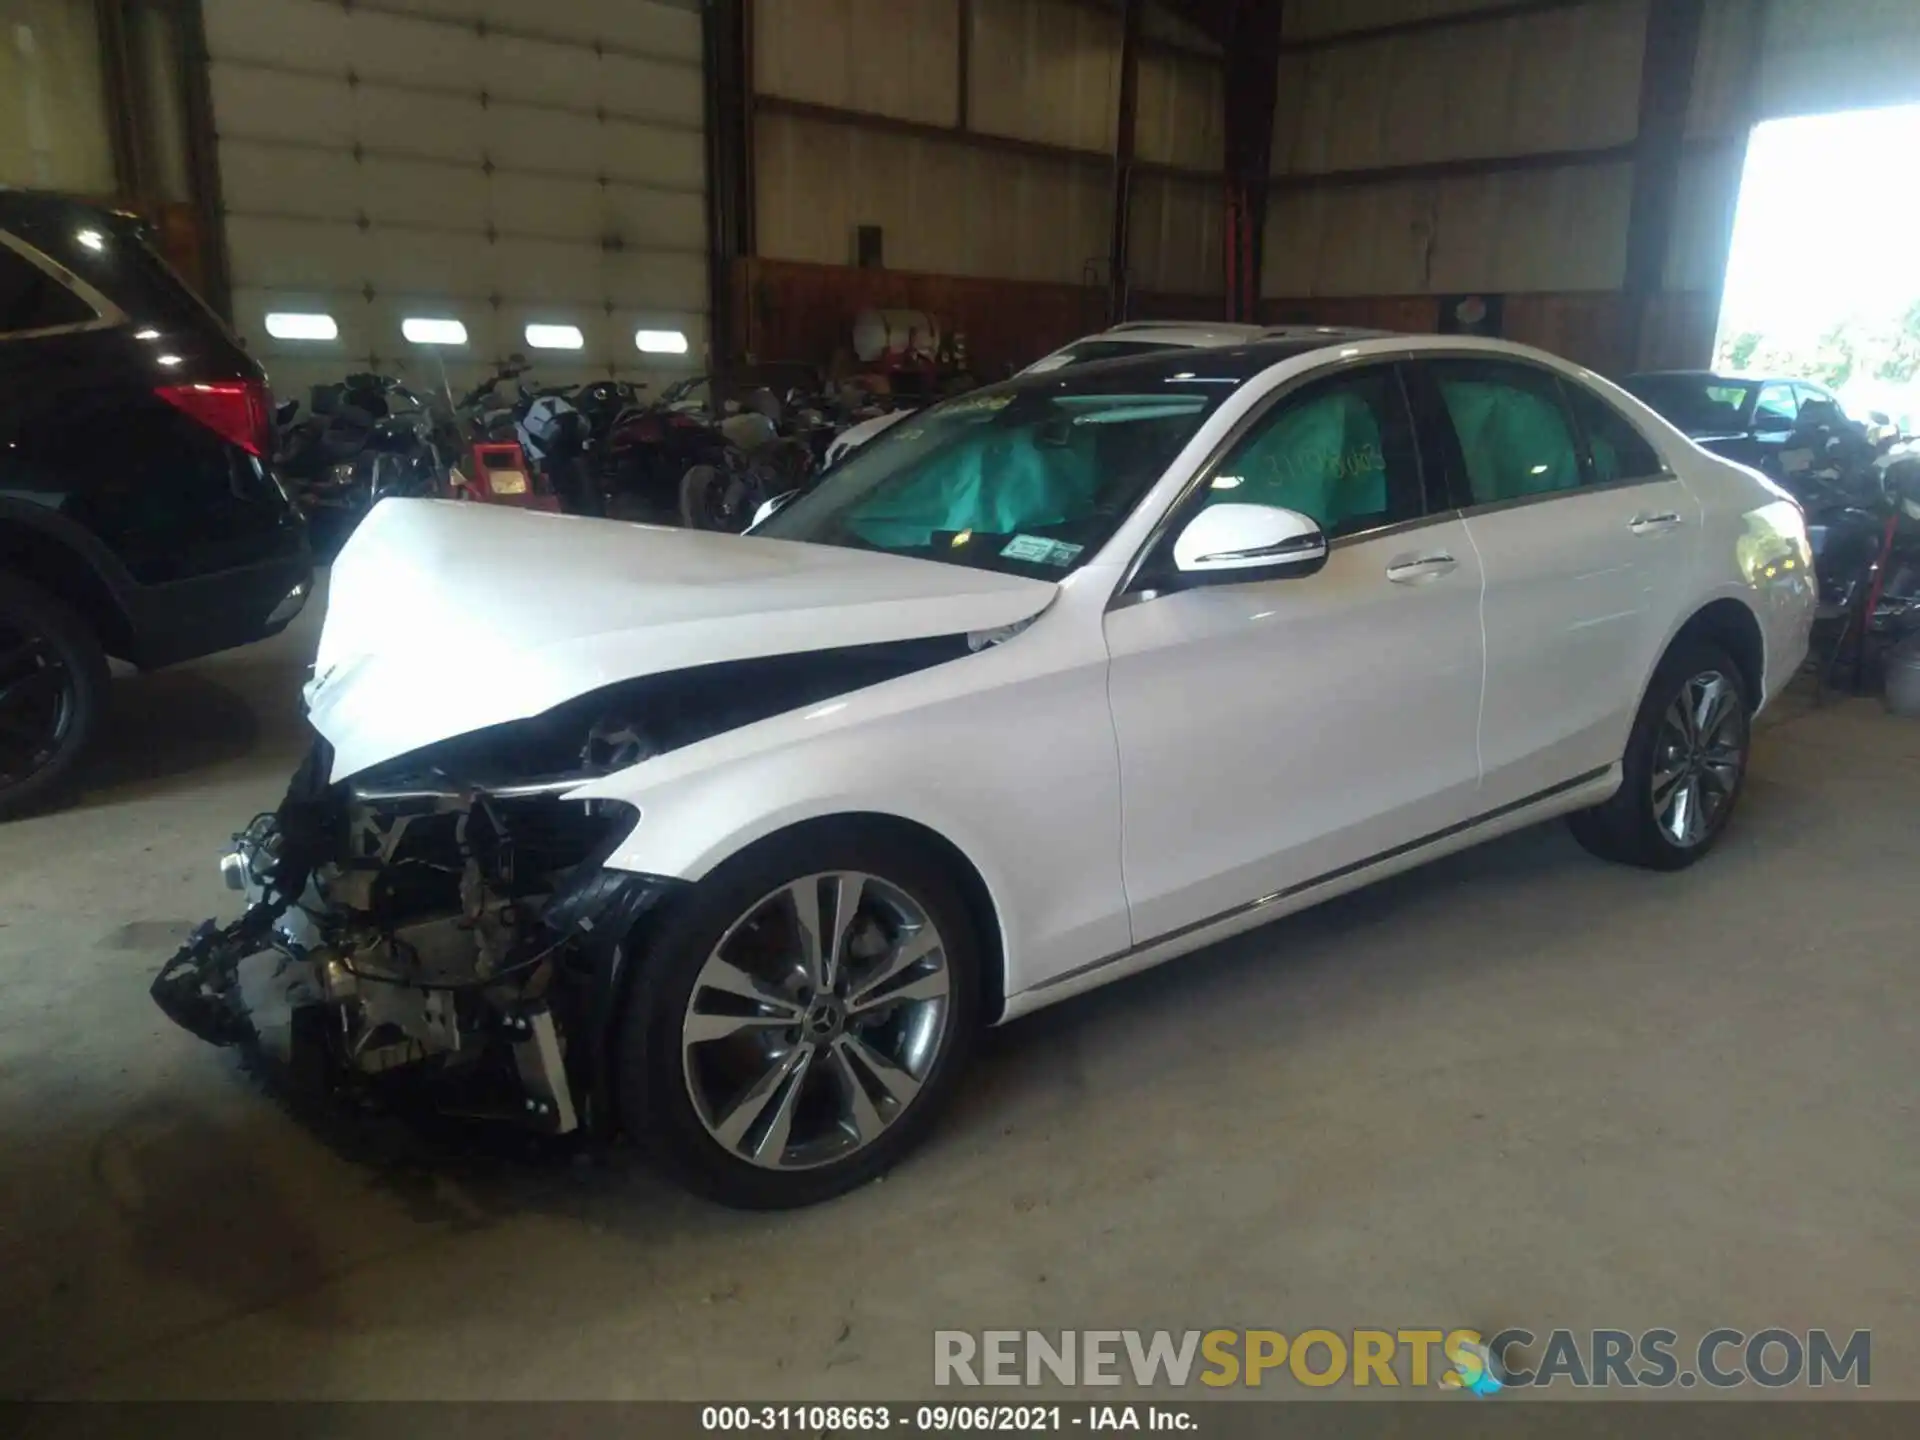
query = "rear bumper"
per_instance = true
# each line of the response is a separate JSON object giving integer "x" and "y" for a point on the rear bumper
{"x": 191, "y": 618}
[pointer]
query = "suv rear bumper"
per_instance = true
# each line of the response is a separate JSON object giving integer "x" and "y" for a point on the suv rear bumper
{"x": 191, "y": 618}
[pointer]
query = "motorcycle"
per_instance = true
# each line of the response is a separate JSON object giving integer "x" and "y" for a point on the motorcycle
{"x": 1863, "y": 523}
{"x": 365, "y": 438}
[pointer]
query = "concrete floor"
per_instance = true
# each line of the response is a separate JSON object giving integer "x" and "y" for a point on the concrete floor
{"x": 1520, "y": 1087}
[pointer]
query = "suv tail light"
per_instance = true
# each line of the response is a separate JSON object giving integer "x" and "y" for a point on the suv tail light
{"x": 239, "y": 411}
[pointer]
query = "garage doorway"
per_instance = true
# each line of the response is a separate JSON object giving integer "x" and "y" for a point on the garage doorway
{"x": 1821, "y": 281}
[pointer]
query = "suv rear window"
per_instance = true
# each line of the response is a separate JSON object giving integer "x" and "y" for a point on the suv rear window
{"x": 32, "y": 300}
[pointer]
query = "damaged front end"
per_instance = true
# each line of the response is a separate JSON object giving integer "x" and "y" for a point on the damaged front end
{"x": 431, "y": 926}
{"x": 446, "y": 921}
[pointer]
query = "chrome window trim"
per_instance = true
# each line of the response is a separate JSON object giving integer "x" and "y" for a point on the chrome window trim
{"x": 1494, "y": 507}
{"x": 106, "y": 315}
{"x": 1125, "y": 595}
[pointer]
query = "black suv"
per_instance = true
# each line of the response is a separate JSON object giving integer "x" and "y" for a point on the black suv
{"x": 139, "y": 513}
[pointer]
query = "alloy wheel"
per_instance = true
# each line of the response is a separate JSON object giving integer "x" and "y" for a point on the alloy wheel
{"x": 816, "y": 1020}
{"x": 1699, "y": 755}
{"x": 38, "y": 702}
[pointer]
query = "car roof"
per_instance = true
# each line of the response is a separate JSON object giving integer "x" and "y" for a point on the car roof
{"x": 1226, "y": 332}
{"x": 1181, "y": 334}
{"x": 1218, "y": 364}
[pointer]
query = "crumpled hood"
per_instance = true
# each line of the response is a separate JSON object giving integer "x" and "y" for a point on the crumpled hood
{"x": 447, "y": 616}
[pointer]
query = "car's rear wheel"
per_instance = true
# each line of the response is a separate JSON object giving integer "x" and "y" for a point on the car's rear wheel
{"x": 53, "y": 681}
{"x": 1685, "y": 765}
{"x": 799, "y": 1021}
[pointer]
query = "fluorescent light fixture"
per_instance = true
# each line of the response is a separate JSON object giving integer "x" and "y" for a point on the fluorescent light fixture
{"x": 146, "y": 334}
{"x": 556, "y": 337}
{"x": 169, "y": 359}
{"x": 661, "y": 342}
{"x": 92, "y": 239}
{"x": 433, "y": 332}
{"x": 291, "y": 325}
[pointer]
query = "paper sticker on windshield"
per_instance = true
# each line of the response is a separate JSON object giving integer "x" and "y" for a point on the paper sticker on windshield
{"x": 1038, "y": 550}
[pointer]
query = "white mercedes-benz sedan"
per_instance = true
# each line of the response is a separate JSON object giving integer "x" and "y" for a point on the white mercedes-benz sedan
{"x": 735, "y": 843}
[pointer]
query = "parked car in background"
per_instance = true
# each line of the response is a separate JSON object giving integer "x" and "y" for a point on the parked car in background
{"x": 1134, "y": 337}
{"x": 1777, "y": 425}
{"x": 643, "y": 822}
{"x": 139, "y": 515}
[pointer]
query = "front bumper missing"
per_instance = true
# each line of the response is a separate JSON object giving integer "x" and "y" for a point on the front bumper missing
{"x": 271, "y": 983}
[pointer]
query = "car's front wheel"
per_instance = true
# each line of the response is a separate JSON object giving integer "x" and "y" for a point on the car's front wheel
{"x": 1685, "y": 764}
{"x": 800, "y": 1019}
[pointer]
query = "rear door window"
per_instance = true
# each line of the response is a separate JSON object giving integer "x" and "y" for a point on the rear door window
{"x": 1516, "y": 439}
{"x": 31, "y": 300}
{"x": 1615, "y": 450}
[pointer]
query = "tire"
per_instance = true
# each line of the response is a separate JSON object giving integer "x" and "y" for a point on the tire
{"x": 681, "y": 1096}
{"x": 718, "y": 498}
{"x": 1674, "y": 830}
{"x": 51, "y": 664}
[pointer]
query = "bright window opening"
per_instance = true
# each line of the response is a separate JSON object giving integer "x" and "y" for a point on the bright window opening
{"x": 556, "y": 337}
{"x": 289, "y": 325}
{"x": 434, "y": 332}
{"x": 661, "y": 342}
{"x": 1814, "y": 299}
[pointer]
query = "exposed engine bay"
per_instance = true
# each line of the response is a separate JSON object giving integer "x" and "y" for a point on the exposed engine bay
{"x": 447, "y": 922}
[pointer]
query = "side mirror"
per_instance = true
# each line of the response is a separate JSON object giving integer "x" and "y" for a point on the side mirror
{"x": 771, "y": 507}
{"x": 1232, "y": 544}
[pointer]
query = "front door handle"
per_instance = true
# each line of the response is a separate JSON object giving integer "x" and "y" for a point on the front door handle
{"x": 1414, "y": 569}
{"x": 1653, "y": 524}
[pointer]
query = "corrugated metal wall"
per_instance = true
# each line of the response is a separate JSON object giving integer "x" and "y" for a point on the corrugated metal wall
{"x": 1493, "y": 89}
{"x": 1552, "y": 235}
{"x": 943, "y": 207}
{"x": 1041, "y": 71}
{"x": 480, "y": 160}
{"x": 1176, "y": 238}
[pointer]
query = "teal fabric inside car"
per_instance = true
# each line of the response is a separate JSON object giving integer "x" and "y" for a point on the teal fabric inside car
{"x": 1322, "y": 457}
{"x": 997, "y": 482}
{"x": 1002, "y": 472}
{"x": 1515, "y": 441}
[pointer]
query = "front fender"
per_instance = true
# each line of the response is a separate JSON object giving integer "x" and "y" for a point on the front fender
{"x": 1008, "y": 755}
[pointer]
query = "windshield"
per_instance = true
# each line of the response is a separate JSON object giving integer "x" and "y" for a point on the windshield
{"x": 1029, "y": 478}
{"x": 1697, "y": 404}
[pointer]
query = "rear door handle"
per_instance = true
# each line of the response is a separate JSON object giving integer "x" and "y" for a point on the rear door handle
{"x": 1653, "y": 524}
{"x": 1413, "y": 569}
